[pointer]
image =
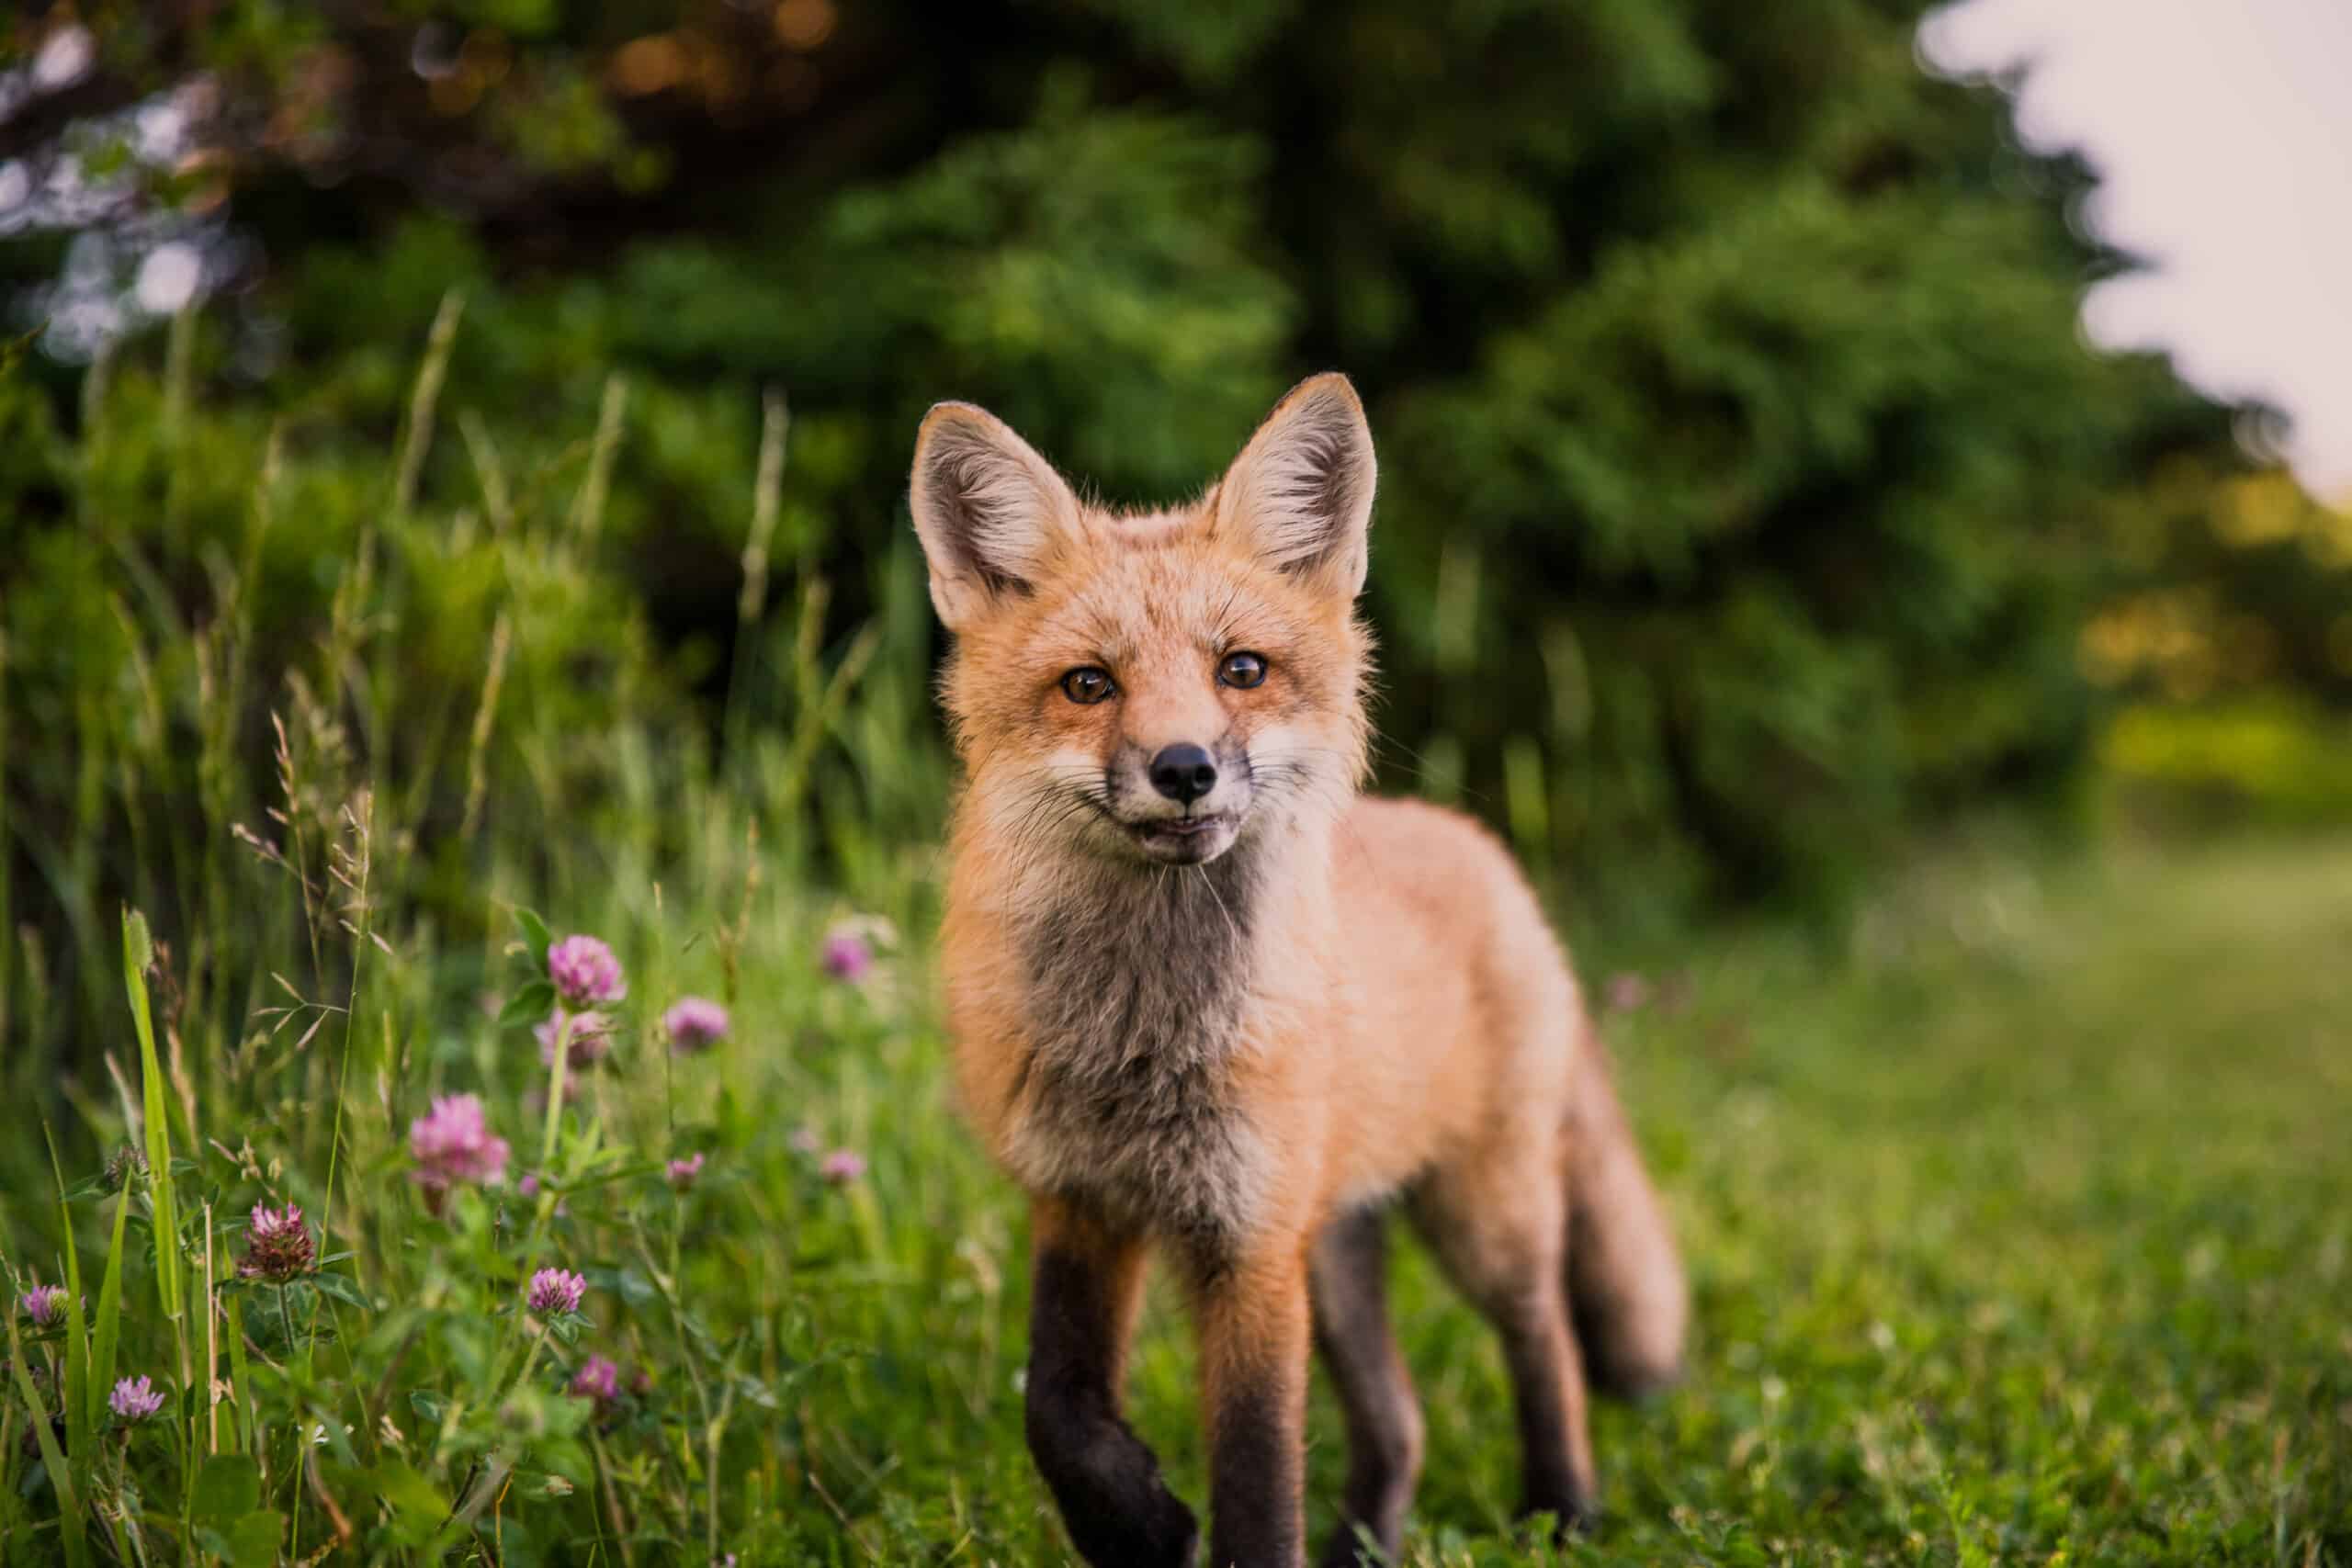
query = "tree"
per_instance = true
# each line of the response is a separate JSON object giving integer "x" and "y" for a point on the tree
{"x": 1743, "y": 470}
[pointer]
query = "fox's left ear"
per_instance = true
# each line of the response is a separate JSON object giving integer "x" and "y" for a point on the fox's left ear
{"x": 1301, "y": 491}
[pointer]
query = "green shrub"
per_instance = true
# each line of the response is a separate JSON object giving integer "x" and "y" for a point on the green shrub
{"x": 1744, "y": 478}
{"x": 2272, "y": 760}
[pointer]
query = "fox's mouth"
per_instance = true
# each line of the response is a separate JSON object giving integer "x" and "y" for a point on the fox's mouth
{"x": 1176, "y": 830}
{"x": 1182, "y": 838}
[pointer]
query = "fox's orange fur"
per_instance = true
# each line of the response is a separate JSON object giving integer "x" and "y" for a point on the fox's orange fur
{"x": 1236, "y": 1019}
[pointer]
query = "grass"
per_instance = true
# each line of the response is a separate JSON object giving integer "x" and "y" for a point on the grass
{"x": 2017, "y": 1231}
{"x": 2018, "y": 1236}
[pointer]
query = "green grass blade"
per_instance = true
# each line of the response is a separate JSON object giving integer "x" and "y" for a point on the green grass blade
{"x": 81, "y": 1417}
{"x": 69, "y": 1499}
{"x": 108, "y": 1327}
{"x": 239, "y": 1389}
{"x": 137, "y": 952}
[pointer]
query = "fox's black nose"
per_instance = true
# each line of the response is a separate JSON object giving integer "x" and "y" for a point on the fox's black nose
{"x": 1183, "y": 773}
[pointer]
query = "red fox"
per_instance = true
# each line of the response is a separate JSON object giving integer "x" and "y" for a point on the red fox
{"x": 1207, "y": 997}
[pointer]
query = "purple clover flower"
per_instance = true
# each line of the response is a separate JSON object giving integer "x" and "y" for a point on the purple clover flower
{"x": 842, "y": 1166}
{"x": 846, "y": 954}
{"x": 585, "y": 973}
{"x": 454, "y": 1144}
{"x": 694, "y": 1025}
{"x": 555, "y": 1292}
{"x": 135, "y": 1399}
{"x": 683, "y": 1172}
{"x": 597, "y": 1379}
{"x": 277, "y": 1244}
{"x": 45, "y": 1304}
{"x": 1627, "y": 991}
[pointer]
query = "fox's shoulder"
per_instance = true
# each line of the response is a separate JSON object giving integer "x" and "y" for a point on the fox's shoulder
{"x": 1408, "y": 826}
{"x": 1392, "y": 850}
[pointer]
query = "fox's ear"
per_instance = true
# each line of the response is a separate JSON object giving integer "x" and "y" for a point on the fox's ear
{"x": 991, "y": 511}
{"x": 1301, "y": 491}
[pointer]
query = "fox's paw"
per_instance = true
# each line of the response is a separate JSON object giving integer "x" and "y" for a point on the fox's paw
{"x": 1572, "y": 1512}
{"x": 1158, "y": 1533}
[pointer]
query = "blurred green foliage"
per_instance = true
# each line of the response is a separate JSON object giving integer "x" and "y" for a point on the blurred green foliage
{"x": 1747, "y": 488}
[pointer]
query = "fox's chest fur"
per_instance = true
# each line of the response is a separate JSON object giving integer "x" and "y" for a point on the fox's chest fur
{"x": 1136, "y": 997}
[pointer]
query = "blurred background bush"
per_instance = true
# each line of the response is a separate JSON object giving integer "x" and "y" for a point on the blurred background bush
{"x": 1750, "y": 500}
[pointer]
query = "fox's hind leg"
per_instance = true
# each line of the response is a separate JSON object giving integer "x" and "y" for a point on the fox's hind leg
{"x": 1626, "y": 1289}
{"x": 1349, "y": 1283}
{"x": 1496, "y": 1218}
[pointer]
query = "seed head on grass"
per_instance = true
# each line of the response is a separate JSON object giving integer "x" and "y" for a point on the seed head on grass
{"x": 590, "y": 1038}
{"x": 555, "y": 1292}
{"x": 123, "y": 1166}
{"x": 694, "y": 1025}
{"x": 454, "y": 1144}
{"x": 585, "y": 973}
{"x": 45, "y": 1304}
{"x": 685, "y": 1172}
{"x": 277, "y": 1244}
{"x": 135, "y": 1399}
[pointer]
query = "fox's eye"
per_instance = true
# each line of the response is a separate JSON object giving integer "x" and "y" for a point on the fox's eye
{"x": 1244, "y": 670}
{"x": 1087, "y": 684}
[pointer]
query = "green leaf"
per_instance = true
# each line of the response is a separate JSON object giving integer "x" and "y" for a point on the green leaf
{"x": 227, "y": 1489}
{"x": 418, "y": 1506}
{"x": 535, "y": 937}
{"x": 527, "y": 1005}
{"x": 254, "y": 1543}
{"x": 343, "y": 1288}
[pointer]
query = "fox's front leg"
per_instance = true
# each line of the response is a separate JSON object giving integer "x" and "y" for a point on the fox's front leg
{"x": 1255, "y": 1334}
{"x": 1087, "y": 1281}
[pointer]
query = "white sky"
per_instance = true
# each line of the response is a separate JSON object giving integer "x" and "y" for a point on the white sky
{"x": 2221, "y": 130}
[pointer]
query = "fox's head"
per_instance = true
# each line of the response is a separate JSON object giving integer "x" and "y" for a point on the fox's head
{"x": 1153, "y": 688}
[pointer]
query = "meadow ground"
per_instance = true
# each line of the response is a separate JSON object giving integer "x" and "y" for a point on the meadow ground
{"x": 2018, "y": 1235}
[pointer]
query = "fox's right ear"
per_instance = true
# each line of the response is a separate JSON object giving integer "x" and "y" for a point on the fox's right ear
{"x": 991, "y": 511}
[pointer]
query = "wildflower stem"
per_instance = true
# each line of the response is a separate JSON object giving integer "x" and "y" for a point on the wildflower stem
{"x": 556, "y": 1074}
{"x": 294, "y": 1538}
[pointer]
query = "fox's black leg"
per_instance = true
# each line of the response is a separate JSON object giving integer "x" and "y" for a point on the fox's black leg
{"x": 1349, "y": 1287}
{"x": 1086, "y": 1284}
{"x": 1548, "y": 1394}
{"x": 1510, "y": 1259}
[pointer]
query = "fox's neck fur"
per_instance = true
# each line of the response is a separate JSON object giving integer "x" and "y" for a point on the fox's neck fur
{"x": 1142, "y": 985}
